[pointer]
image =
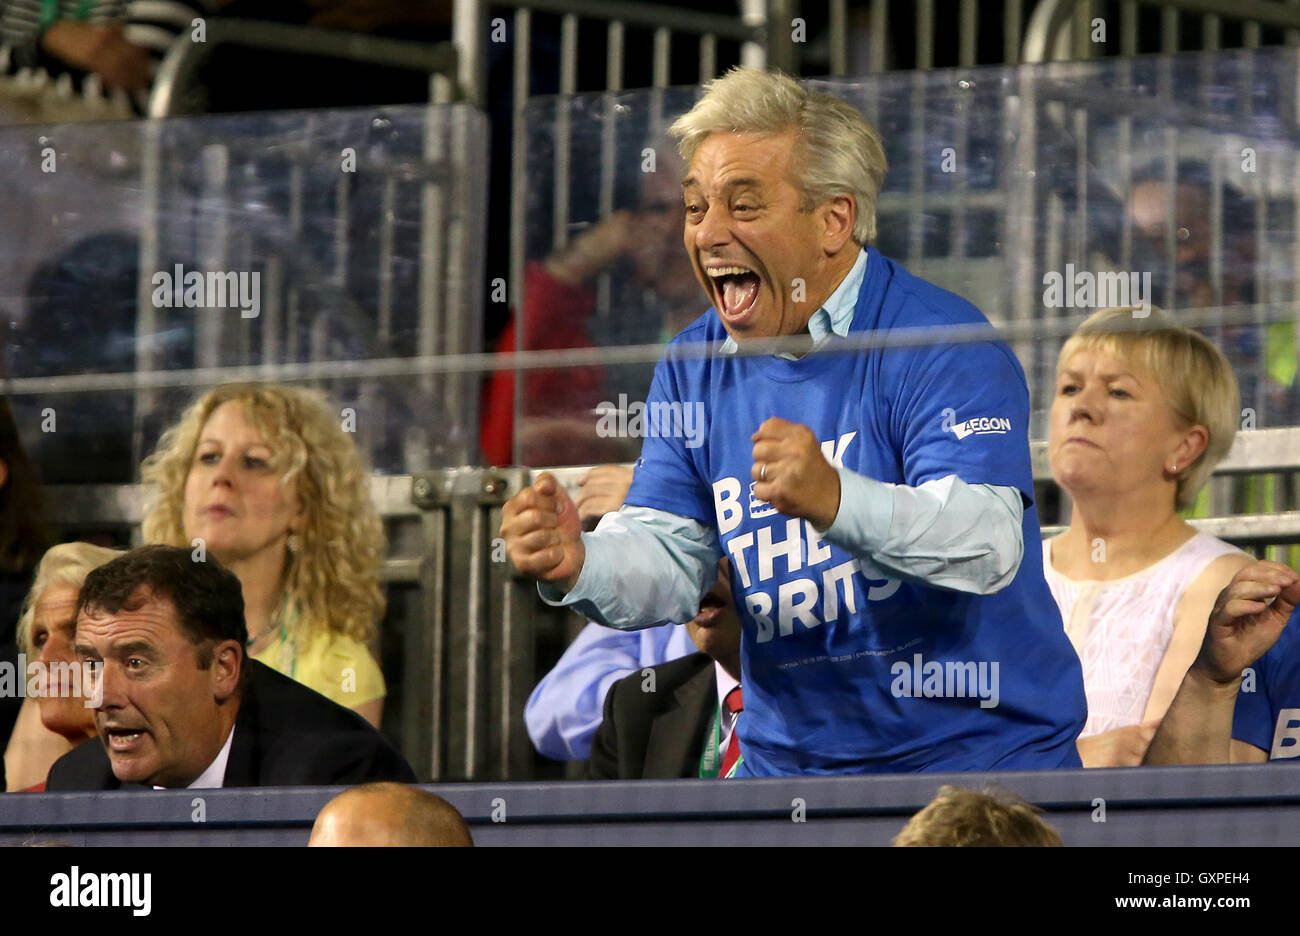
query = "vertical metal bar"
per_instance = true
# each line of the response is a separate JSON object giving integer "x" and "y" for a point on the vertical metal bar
{"x": 1013, "y": 19}
{"x": 271, "y": 311}
{"x": 1292, "y": 35}
{"x": 146, "y": 316}
{"x": 780, "y": 43}
{"x": 608, "y": 145}
{"x": 564, "y": 128}
{"x": 1168, "y": 29}
{"x": 614, "y": 58}
{"x": 663, "y": 46}
{"x": 968, "y": 34}
{"x": 433, "y": 215}
{"x": 342, "y": 217}
{"x": 1128, "y": 28}
{"x": 708, "y": 57}
{"x": 519, "y": 197}
{"x": 292, "y": 346}
{"x": 754, "y": 14}
{"x": 1081, "y": 183}
{"x": 468, "y": 22}
{"x": 1081, "y": 30}
{"x": 1250, "y": 35}
{"x": 1171, "y": 217}
{"x": 214, "y": 241}
{"x": 924, "y": 34}
{"x": 387, "y": 226}
{"x": 839, "y": 37}
{"x": 1210, "y": 32}
{"x": 879, "y": 32}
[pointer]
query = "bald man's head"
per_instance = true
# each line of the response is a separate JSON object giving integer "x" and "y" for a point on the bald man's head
{"x": 389, "y": 814}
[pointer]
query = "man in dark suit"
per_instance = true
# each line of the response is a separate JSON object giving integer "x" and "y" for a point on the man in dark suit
{"x": 678, "y": 719}
{"x": 183, "y": 706}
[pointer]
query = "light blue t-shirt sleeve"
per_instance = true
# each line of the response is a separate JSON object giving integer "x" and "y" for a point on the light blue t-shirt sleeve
{"x": 944, "y": 532}
{"x": 643, "y": 567}
{"x": 566, "y": 707}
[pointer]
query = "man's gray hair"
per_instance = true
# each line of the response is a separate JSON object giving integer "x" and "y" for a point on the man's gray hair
{"x": 837, "y": 151}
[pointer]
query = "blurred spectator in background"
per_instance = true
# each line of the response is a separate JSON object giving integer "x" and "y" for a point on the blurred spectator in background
{"x": 655, "y": 298}
{"x": 1239, "y": 701}
{"x": 119, "y": 42}
{"x": 679, "y": 719}
{"x": 388, "y": 815}
{"x": 958, "y": 817}
{"x": 264, "y": 478}
{"x": 182, "y": 705}
{"x": 565, "y": 708}
{"x": 23, "y": 540}
{"x": 60, "y": 719}
{"x": 1139, "y": 421}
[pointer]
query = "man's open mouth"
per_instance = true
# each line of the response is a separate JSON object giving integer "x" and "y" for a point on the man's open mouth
{"x": 735, "y": 289}
{"x": 123, "y": 740}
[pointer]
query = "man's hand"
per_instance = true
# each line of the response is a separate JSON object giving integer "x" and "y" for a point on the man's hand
{"x": 595, "y": 249}
{"x": 1244, "y": 624}
{"x": 101, "y": 49}
{"x": 1119, "y": 747}
{"x": 603, "y": 491}
{"x": 543, "y": 534}
{"x": 792, "y": 473}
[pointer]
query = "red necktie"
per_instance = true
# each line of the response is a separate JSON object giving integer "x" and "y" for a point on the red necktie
{"x": 735, "y": 705}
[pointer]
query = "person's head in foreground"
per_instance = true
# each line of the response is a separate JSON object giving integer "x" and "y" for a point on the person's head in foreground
{"x": 47, "y": 631}
{"x": 1144, "y": 409}
{"x": 957, "y": 816}
{"x": 169, "y": 633}
{"x": 780, "y": 194}
{"x": 716, "y": 629}
{"x": 389, "y": 814}
{"x": 267, "y": 478}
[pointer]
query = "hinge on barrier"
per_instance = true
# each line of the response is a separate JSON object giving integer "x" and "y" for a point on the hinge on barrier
{"x": 432, "y": 489}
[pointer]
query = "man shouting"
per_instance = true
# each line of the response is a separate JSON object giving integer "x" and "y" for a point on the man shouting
{"x": 874, "y": 503}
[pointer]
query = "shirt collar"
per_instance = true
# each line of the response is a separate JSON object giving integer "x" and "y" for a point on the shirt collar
{"x": 215, "y": 776}
{"x": 835, "y": 316}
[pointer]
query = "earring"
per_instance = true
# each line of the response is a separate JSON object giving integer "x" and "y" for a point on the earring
{"x": 1173, "y": 469}
{"x": 292, "y": 542}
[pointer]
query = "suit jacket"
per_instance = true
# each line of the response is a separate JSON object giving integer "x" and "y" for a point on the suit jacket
{"x": 656, "y": 735}
{"x": 285, "y": 735}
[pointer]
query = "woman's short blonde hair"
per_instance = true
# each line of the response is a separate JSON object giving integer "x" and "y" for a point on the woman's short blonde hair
{"x": 1194, "y": 376}
{"x": 67, "y": 564}
{"x": 332, "y": 579}
{"x": 838, "y": 152}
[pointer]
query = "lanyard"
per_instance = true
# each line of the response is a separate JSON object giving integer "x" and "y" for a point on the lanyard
{"x": 50, "y": 12}
{"x": 709, "y": 759}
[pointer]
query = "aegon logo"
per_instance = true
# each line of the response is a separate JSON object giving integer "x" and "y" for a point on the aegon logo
{"x": 981, "y": 425}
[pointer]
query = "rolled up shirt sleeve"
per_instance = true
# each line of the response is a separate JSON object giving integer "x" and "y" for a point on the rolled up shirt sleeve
{"x": 643, "y": 567}
{"x": 943, "y": 532}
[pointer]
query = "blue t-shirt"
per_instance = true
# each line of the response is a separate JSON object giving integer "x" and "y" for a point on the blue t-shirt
{"x": 845, "y": 670}
{"x": 1268, "y": 713}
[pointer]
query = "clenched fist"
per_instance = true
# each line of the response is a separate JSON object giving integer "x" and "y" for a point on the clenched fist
{"x": 1247, "y": 619}
{"x": 543, "y": 534}
{"x": 792, "y": 473}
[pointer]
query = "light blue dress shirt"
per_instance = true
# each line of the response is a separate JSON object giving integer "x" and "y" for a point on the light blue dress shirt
{"x": 646, "y": 566}
{"x": 567, "y": 706}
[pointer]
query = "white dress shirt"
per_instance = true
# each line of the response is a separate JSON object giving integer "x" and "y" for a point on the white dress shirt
{"x": 215, "y": 776}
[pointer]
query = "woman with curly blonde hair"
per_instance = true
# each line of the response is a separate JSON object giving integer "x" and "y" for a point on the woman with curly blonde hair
{"x": 267, "y": 479}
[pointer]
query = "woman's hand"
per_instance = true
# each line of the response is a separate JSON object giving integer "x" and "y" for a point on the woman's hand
{"x": 102, "y": 49}
{"x": 1119, "y": 747}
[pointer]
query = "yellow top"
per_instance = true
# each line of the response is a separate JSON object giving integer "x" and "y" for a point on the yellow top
{"x": 336, "y": 666}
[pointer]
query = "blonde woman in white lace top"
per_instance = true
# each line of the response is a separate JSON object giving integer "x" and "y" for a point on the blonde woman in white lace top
{"x": 1140, "y": 418}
